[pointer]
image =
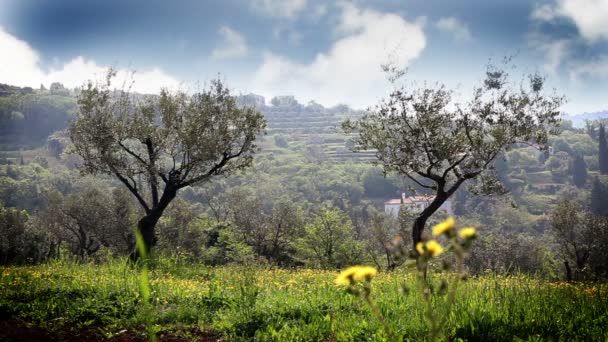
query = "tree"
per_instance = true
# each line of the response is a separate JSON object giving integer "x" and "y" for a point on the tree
{"x": 573, "y": 235}
{"x": 383, "y": 230}
{"x": 590, "y": 129}
{"x": 440, "y": 144}
{"x": 328, "y": 241}
{"x": 281, "y": 141}
{"x": 579, "y": 171}
{"x": 157, "y": 145}
{"x": 603, "y": 151}
{"x": 88, "y": 219}
{"x": 12, "y": 225}
{"x": 582, "y": 236}
{"x": 599, "y": 198}
{"x": 271, "y": 229}
{"x": 179, "y": 232}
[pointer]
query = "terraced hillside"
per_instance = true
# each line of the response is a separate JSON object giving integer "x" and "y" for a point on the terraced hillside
{"x": 312, "y": 127}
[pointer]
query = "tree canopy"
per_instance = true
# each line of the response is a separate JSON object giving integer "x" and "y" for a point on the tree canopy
{"x": 439, "y": 143}
{"x": 603, "y": 150}
{"x": 156, "y": 145}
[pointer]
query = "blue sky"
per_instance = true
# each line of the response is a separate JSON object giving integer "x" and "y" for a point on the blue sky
{"x": 327, "y": 51}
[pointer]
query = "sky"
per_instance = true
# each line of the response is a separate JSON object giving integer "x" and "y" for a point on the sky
{"x": 330, "y": 52}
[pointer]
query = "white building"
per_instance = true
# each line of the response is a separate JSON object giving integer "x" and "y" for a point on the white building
{"x": 414, "y": 204}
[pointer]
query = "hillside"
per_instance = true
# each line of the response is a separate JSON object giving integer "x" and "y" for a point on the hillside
{"x": 578, "y": 120}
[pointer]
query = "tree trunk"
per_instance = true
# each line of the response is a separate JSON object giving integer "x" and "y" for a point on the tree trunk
{"x": 147, "y": 224}
{"x": 568, "y": 271}
{"x": 420, "y": 222}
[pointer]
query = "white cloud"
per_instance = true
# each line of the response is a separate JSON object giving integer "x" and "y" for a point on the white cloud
{"x": 18, "y": 62}
{"x": 454, "y": 26}
{"x": 589, "y": 16}
{"x": 19, "y": 65}
{"x": 233, "y": 46}
{"x": 556, "y": 51}
{"x": 544, "y": 13}
{"x": 279, "y": 8}
{"x": 350, "y": 71}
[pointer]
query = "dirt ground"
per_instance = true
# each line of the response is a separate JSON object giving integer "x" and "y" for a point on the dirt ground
{"x": 17, "y": 330}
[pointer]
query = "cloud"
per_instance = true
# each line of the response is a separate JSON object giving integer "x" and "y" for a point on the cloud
{"x": 279, "y": 8}
{"x": 596, "y": 68}
{"x": 233, "y": 46}
{"x": 454, "y": 26}
{"x": 544, "y": 13}
{"x": 20, "y": 65}
{"x": 556, "y": 51}
{"x": 589, "y": 16}
{"x": 18, "y": 62}
{"x": 319, "y": 11}
{"x": 350, "y": 71}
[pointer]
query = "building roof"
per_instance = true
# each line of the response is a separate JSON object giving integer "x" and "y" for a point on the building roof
{"x": 410, "y": 200}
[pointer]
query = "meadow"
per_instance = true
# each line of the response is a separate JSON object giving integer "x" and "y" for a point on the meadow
{"x": 197, "y": 302}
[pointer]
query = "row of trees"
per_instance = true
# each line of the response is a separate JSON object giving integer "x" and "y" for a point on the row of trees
{"x": 246, "y": 223}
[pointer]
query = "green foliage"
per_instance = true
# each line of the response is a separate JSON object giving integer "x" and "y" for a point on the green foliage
{"x": 603, "y": 150}
{"x": 281, "y": 141}
{"x": 26, "y": 120}
{"x": 13, "y": 238}
{"x": 599, "y": 198}
{"x": 579, "y": 171}
{"x": 582, "y": 236}
{"x": 328, "y": 241}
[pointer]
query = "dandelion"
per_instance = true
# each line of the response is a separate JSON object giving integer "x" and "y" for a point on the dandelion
{"x": 366, "y": 273}
{"x": 354, "y": 274}
{"x": 444, "y": 227}
{"x": 420, "y": 248}
{"x": 432, "y": 248}
{"x": 468, "y": 232}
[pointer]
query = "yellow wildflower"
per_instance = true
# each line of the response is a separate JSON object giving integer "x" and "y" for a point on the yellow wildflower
{"x": 468, "y": 232}
{"x": 432, "y": 248}
{"x": 420, "y": 248}
{"x": 355, "y": 273}
{"x": 444, "y": 226}
{"x": 365, "y": 273}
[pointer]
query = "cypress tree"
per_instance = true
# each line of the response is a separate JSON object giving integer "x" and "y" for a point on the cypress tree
{"x": 579, "y": 171}
{"x": 599, "y": 198}
{"x": 603, "y": 151}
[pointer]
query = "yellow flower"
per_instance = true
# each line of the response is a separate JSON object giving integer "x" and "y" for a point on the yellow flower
{"x": 365, "y": 273}
{"x": 468, "y": 232}
{"x": 420, "y": 248}
{"x": 432, "y": 248}
{"x": 355, "y": 273}
{"x": 444, "y": 226}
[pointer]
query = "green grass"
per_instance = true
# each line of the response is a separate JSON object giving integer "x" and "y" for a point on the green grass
{"x": 244, "y": 303}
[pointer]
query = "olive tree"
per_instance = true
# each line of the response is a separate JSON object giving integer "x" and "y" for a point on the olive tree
{"x": 439, "y": 143}
{"x": 157, "y": 145}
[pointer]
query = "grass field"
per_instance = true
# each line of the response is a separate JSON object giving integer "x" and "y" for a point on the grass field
{"x": 241, "y": 303}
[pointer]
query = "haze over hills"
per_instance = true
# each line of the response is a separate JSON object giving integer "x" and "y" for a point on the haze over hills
{"x": 578, "y": 120}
